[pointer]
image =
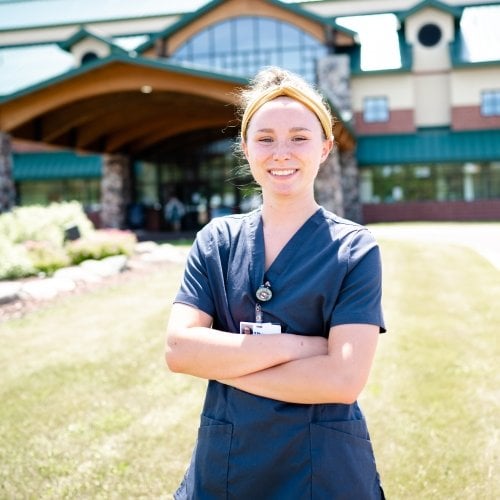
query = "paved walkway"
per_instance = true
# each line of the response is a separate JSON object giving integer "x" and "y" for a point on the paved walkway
{"x": 484, "y": 238}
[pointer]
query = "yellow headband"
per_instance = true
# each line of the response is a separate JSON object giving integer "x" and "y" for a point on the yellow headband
{"x": 316, "y": 107}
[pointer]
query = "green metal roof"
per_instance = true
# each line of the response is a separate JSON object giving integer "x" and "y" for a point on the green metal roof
{"x": 86, "y": 33}
{"x": 433, "y": 145}
{"x": 55, "y": 165}
{"x": 125, "y": 58}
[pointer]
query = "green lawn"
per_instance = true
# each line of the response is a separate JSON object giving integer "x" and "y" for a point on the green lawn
{"x": 89, "y": 411}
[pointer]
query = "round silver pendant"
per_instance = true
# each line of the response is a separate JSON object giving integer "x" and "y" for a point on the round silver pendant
{"x": 264, "y": 293}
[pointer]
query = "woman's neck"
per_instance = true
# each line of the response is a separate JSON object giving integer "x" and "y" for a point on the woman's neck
{"x": 287, "y": 213}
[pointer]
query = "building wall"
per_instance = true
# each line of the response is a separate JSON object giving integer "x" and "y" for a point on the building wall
{"x": 479, "y": 210}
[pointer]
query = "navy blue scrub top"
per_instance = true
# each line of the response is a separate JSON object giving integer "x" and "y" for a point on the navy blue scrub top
{"x": 249, "y": 446}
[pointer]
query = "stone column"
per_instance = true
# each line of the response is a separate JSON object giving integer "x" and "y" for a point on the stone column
{"x": 7, "y": 186}
{"x": 115, "y": 191}
{"x": 350, "y": 186}
{"x": 342, "y": 191}
{"x": 328, "y": 186}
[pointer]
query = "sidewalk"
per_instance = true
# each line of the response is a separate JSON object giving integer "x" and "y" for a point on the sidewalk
{"x": 484, "y": 238}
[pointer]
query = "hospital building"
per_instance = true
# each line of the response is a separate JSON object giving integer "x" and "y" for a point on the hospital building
{"x": 124, "y": 105}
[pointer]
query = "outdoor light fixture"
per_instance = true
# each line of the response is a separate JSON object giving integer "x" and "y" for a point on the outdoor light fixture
{"x": 146, "y": 89}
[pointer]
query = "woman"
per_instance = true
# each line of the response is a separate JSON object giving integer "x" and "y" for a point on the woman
{"x": 280, "y": 419}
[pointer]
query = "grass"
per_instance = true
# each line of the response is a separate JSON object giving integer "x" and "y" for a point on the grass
{"x": 89, "y": 411}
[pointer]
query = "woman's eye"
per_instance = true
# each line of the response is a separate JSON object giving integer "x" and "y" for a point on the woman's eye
{"x": 266, "y": 139}
{"x": 299, "y": 139}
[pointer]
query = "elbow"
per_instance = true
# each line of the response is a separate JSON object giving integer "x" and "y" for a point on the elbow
{"x": 345, "y": 391}
{"x": 172, "y": 362}
{"x": 173, "y": 359}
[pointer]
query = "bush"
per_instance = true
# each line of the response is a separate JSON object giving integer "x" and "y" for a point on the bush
{"x": 14, "y": 261}
{"x": 46, "y": 257}
{"x": 38, "y": 223}
{"x": 100, "y": 244}
{"x": 34, "y": 240}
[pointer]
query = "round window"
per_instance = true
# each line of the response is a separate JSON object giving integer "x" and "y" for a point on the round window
{"x": 89, "y": 56}
{"x": 429, "y": 35}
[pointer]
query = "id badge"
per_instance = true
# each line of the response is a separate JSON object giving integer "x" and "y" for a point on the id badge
{"x": 249, "y": 328}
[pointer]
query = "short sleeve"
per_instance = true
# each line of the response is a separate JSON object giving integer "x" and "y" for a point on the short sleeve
{"x": 195, "y": 289}
{"x": 360, "y": 297}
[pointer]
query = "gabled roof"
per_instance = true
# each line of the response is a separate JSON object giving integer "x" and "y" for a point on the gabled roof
{"x": 191, "y": 17}
{"x": 84, "y": 33}
{"x": 124, "y": 58}
{"x": 456, "y": 12}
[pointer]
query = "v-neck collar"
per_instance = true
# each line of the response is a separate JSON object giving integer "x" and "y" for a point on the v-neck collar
{"x": 287, "y": 253}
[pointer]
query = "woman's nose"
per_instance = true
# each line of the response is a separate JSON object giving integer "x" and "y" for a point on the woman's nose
{"x": 281, "y": 151}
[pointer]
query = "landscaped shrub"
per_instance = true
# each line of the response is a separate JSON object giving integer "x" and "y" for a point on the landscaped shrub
{"x": 38, "y": 223}
{"x": 100, "y": 244}
{"x": 46, "y": 257}
{"x": 34, "y": 240}
{"x": 14, "y": 261}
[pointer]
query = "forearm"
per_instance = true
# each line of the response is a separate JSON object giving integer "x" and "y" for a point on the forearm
{"x": 336, "y": 377}
{"x": 306, "y": 381}
{"x": 212, "y": 354}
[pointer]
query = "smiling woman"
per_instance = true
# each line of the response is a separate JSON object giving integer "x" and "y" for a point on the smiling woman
{"x": 308, "y": 285}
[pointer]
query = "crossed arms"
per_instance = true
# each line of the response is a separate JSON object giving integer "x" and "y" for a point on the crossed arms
{"x": 291, "y": 368}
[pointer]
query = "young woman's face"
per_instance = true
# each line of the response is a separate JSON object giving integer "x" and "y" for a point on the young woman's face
{"x": 285, "y": 147}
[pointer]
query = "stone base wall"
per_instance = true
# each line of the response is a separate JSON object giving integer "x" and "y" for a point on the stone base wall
{"x": 7, "y": 186}
{"x": 115, "y": 191}
{"x": 350, "y": 186}
{"x": 328, "y": 186}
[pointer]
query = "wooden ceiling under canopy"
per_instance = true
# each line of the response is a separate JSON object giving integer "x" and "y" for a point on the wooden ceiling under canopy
{"x": 127, "y": 107}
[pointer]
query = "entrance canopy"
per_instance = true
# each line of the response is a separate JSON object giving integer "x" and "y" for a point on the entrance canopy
{"x": 122, "y": 104}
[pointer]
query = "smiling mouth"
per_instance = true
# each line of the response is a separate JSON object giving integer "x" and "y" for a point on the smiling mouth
{"x": 283, "y": 173}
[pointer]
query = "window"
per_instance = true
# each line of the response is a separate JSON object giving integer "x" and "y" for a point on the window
{"x": 243, "y": 45}
{"x": 429, "y": 35}
{"x": 376, "y": 109}
{"x": 429, "y": 182}
{"x": 490, "y": 103}
{"x": 88, "y": 57}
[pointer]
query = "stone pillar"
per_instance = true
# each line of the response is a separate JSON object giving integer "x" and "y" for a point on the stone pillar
{"x": 334, "y": 80}
{"x": 115, "y": 191}
{"x": 328, "y": 186}
{"x": 7, "y": 186}
{"x": 350, "y": 186}
{"x": 342, "y": 191}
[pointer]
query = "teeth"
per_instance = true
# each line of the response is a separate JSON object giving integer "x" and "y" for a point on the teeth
{"x": 282, "y": 172}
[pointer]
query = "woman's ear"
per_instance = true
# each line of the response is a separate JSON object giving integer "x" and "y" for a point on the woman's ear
{"x": 244, "y": 148}
{"x": 327, "y": 148}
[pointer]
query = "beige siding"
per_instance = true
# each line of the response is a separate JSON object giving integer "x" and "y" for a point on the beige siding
{"x": 398, "y": 88}
{"x": 467, "y": 84}
{"x": 432, "y": 99}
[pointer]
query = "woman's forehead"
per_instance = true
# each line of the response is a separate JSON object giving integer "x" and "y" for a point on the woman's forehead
{"x": 277, "y": 109}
